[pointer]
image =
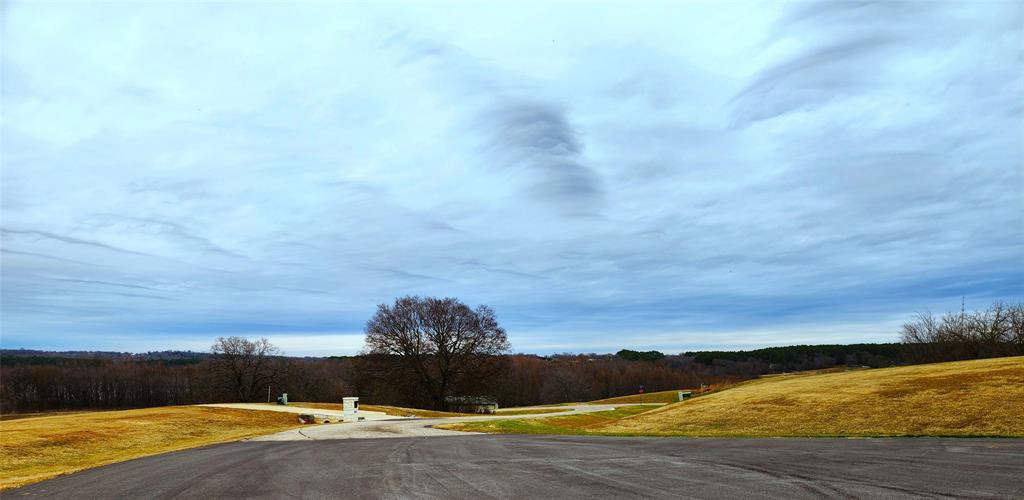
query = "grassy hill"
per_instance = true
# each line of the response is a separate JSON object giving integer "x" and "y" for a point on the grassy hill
{"x": 965, "y": 398}
{"x": 37, "y": 448}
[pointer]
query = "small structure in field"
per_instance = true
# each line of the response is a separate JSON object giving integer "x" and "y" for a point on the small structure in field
{"x": 684, "y": 395}
{"x": 350, "y": 409}
{"x": 283, "y": 399}
{"x": 471, "y": 404}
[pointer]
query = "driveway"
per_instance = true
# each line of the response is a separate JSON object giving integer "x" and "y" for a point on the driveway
{"x": 396, "y": 427}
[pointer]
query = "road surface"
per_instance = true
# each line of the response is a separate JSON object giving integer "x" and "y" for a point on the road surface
{"x": 396, "y": 427}
{"x": 508, "y": 466}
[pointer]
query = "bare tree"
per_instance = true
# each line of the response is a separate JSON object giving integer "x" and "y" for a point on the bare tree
{"x": 444, "y": 344}
{"x": 923, "y": 329}
{"x": 245, "y": 367}
{"x": 995, "y": 331}
{"x": 1016, "y": 321}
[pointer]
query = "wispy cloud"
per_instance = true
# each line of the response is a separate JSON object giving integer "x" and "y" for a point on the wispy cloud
{"x": 684, "y": 175}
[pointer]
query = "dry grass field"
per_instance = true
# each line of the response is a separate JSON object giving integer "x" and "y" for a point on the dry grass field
{"x": 39, "y": 448}
{"x": 965, "y": 398}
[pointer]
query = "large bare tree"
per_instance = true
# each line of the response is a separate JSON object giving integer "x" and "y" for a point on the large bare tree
{"x": 245, "y": 367}
{"x": 442, "y": 343}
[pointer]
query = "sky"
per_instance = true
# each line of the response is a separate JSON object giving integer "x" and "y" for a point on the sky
{"x": 652, "y": 175}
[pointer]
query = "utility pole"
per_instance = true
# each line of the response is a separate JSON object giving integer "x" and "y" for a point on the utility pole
{"x": 268, "y": 393}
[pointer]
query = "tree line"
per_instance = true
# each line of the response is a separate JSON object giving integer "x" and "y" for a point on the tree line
{"x": 810, "y": 357}
{"x": 992, "y": 332}
{"x": 49, "y": 383}
{"x": 422, "y": 351}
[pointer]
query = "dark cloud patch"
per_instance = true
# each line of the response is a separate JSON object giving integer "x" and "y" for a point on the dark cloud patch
{"x": 851, "y": 49}
{"x": 811, "y": 79}
{"x": 438, "y": 225}
{"x": 407, "y": 275}
{"x": 104, "y": 283}
{"x": 302, "y": 290}
{"x": 527, "y": 135}
{"x": 122, "y": 294}
{"x": 478, "y": 264}
{"x": 536, "y": 138}
{"x": 48, "y": 257}
{"x": 174, "y": 232}
{"x": 70, "y": 240}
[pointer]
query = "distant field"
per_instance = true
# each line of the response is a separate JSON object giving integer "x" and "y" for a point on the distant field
{"x": 965, "y": 398}
{"x": 39, "y": 448}
{"x": 569, "y": 424}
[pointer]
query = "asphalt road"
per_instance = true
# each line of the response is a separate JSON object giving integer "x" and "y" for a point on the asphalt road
{"x": 485, "y": 466}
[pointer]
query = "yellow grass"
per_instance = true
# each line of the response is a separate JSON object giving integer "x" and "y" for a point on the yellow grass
{"x": 396, "y": 411}
{"x": 966, "y": 398}
{"x": 650, "y": 397}
{"x": 35, "y": 449}
{"x": 17, "y": 416}
{"x": 582, "y": 423}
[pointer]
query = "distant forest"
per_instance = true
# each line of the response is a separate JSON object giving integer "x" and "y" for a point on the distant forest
{"x": 33, "y": 381}
{"x": 244, "y": 370}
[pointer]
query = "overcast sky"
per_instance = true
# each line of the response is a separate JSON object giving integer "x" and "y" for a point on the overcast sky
{"x": 610, "y": 175}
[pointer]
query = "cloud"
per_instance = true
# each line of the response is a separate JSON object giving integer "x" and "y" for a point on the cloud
{"x": 537, "y": 138}
{"x": 69, "y": 240}
{"x": 106, "y": 283}
{"x": 679, "y": 176}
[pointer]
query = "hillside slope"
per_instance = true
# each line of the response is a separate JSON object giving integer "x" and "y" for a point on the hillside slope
{"x": 965, "y": 398}
{"x": 39, "y": 448}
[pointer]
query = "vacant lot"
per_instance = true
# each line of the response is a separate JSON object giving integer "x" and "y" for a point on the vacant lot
{"x": 965, "y": 398}
{"x": 34, "y": 449}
